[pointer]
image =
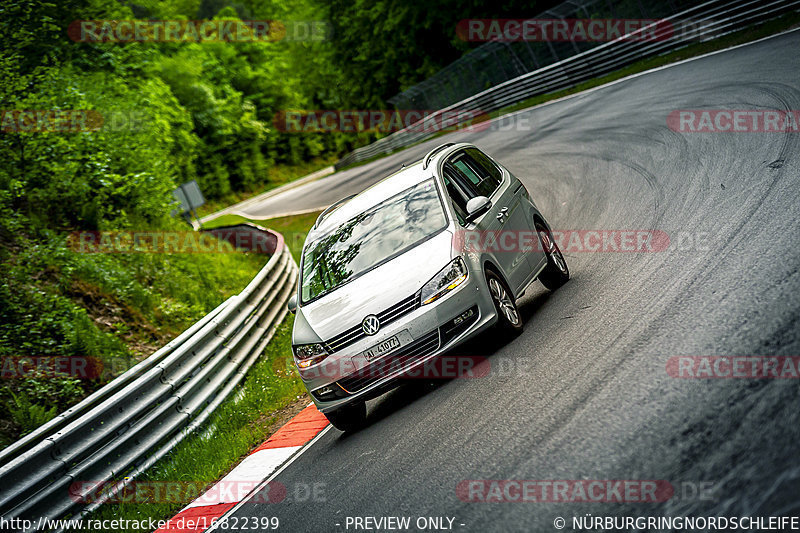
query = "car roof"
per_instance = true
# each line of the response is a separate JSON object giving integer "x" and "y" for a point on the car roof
{"x": 406, "y": 177}
{"x": 398, "y": 182}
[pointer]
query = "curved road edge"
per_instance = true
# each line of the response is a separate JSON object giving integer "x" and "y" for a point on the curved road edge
{"x": 250, "y": 479}
{"x": 339, "y": 184}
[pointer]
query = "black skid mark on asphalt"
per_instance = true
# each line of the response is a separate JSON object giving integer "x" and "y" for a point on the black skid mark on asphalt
{"x": 573, "y": 316}
{"x": 775, "y": 165}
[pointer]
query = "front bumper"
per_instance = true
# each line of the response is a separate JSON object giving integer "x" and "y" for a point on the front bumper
{"x": 346, "y": 376}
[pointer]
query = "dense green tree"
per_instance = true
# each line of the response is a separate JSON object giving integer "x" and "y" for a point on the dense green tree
{"x": 384, "y": 47}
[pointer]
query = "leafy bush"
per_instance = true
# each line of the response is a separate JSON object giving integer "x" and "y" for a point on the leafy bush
{"x": 27, "y": 415}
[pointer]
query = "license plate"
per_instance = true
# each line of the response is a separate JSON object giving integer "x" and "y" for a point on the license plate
{"x": 381, "y": 348}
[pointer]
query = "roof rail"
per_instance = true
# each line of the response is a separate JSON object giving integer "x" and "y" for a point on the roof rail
{"x": 331, "y": 208}
{"x": 434, "y": 152}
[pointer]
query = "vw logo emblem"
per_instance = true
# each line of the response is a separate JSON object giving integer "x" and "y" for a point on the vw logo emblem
{"x": 371, "y": 325}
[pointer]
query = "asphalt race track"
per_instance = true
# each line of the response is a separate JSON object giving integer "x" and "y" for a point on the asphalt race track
{"x": 584, "y": 393}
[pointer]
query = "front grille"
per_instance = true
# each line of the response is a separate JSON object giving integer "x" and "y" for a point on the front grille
{"x": 392, "y": 363}
{"x": 354, "y": 334}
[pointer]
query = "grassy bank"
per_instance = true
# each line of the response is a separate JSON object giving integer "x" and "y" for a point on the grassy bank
{"x": 109, "y": 310}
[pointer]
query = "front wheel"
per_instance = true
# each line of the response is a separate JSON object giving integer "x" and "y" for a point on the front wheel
{"x": 348, "y": 418}
{"x": 556, "y": 273}
{"x": 508, "y": 318}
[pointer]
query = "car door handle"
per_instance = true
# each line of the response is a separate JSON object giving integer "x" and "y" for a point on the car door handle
{"x": 504, "y": 210}
{"x": 500, "y": 217}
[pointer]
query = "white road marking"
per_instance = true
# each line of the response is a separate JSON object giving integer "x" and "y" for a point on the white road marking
{"x": 249, "y": 472}
{"x": 273, "y": 476}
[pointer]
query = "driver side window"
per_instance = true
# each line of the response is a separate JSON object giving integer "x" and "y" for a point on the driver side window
{"x": 467, "y": 174}
{"x": 477, "y": 171}
{"x": 458, "y": 197}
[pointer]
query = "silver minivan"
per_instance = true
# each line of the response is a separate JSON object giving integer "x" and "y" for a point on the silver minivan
{"x": 408, "y": 269}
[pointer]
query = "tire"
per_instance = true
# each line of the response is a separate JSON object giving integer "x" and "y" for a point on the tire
{"x": 348, "y": 418}
{"x": 508, "y": 318}
{"x": 556, "y": 273}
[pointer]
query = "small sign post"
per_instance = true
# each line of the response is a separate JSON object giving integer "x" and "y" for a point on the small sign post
{"x": 190, "y": 198}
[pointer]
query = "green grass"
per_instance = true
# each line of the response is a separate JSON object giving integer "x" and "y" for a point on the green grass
{"x": 225, "y": 220}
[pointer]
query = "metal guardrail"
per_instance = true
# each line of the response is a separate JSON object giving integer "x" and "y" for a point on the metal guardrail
{"x": 495, "y": 62}
{"x": 123, "y": 428}
{"x": 712, "y": 19}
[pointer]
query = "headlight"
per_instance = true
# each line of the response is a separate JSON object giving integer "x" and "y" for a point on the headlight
{"x": 445, "y": 281}
{"x": 309, "y": 354}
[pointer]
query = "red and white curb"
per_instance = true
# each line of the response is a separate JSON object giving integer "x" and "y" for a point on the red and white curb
{"x": 250, "y": 474}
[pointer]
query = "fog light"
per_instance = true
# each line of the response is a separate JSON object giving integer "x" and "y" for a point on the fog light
{"x": 465, "y": 315}
{"x": 464, "y": 318}
{"x": 459, "y": 324}
{"x": 324, "y": 392}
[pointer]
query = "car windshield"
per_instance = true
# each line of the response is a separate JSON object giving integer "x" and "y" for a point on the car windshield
{"x": 370, "y": 238}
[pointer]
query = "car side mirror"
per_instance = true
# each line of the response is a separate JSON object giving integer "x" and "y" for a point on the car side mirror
{"x": 292, "y": 304}
{"x": 477, "y": 206}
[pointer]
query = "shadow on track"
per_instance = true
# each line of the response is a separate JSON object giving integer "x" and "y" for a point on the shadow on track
{"x": 411, "y": 390}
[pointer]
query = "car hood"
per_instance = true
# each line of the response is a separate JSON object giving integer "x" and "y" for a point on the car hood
{"x": 372, "y": 292}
